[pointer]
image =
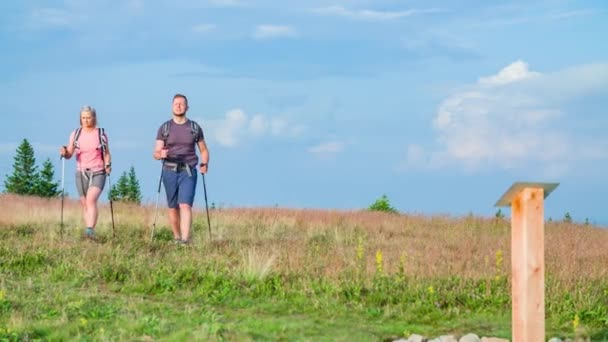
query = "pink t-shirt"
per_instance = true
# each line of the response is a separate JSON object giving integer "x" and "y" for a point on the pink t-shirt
{"x": 88, "y": 152}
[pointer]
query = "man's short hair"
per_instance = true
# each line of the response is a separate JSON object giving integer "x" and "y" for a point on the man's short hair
{"x": 182, "y": 96}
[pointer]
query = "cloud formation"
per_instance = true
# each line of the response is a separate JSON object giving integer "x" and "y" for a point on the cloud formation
{"x": 50, "y": 18}
{"x": 225, "y": 3}
{"x": 237, "y": 127}
{"x": 203, "y": 28}
{"x": 371, "y": 15}
{"x": 327, "y": 148}
{"x": 273, "y": 32}
{"x": 513, "y": 117}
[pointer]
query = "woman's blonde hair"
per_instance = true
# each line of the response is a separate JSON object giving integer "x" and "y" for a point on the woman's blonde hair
{"x": 88, "y": 109}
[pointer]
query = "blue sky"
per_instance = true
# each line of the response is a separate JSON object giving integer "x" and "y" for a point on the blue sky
{"x": 440, "y": 105}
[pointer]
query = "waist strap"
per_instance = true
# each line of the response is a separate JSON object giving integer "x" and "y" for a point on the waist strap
{"x": 176, "y": 167}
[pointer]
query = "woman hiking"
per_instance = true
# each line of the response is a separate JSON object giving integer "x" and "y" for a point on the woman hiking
{"x": 93, "y": 162}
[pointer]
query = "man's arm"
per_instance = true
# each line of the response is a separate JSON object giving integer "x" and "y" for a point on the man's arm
{"x": 202, "y": 147}
{"x": 160, "y": 152}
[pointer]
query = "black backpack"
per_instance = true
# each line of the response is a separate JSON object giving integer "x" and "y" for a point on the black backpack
{"x": 194, "y": 128}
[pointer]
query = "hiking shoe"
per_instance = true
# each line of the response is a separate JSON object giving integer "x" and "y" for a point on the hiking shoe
{"x": 90, "y": 233}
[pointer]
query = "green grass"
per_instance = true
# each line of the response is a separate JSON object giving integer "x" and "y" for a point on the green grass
{"x": 56, "y": 287}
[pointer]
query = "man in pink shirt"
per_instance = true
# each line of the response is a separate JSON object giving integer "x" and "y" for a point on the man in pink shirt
{"x": 93, "y": 163}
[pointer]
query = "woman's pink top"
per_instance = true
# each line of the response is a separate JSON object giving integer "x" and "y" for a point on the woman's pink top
{"x": 88, "y": 150}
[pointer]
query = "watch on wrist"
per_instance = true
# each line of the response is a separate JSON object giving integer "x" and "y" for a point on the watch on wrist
{"x": 203, "y": 164}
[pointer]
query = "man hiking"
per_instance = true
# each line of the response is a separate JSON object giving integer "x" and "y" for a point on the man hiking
{"x": 175, "y": 146}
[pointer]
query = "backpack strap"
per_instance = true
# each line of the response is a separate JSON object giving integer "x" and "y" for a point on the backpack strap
{"x": 103, "y": 144}
{"x": 76, "y": 136}
{"x": 102, "y": 139}
{"x": 165, "y": 131}
{"x": 195, "y": 128}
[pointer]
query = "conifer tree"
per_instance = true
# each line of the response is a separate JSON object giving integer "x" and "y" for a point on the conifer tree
{"x": 127, "y": 188}
{"x": 25, "y": 173}
{"x": 134, "y": 191}
{"x": 45, "y": 186}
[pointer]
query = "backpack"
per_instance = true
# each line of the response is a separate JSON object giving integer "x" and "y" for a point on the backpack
{"x": 194, "y": 128}
{"x": 100, "y": 131}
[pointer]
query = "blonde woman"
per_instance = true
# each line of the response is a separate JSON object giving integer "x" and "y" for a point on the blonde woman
{"x": 93, "y": 162}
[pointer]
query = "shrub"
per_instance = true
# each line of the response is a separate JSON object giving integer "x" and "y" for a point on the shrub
{"x": 382, "y": 204}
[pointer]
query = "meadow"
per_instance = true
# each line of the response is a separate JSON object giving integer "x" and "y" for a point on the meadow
{"x": 282, "y": 274}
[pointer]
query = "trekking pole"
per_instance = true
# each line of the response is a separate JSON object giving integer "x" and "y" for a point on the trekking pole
{"x": 111, "y": 206}
{"x": 103, "y": 159}
{"x": 62, "y": 192}
{"x": 160, "y": 179}
{"x": 206, "y": 205}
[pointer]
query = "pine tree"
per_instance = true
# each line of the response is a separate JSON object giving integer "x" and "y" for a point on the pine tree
{"x": 382, "y": 204}
{"x": 127, "y": 188}
{"x": 45, "y": 186}
{"x": 134, "y": 191}
{"x": 119, "y": 190}
{"x": 25, "y": 174}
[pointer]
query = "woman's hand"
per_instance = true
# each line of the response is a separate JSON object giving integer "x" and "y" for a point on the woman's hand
{"x": 63, "y": 151}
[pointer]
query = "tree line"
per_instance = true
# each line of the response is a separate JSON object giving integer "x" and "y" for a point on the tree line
{"x": 28, "y": 179}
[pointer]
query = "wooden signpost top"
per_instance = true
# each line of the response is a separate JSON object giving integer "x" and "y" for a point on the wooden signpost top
{"x": 516, "y": 188}
{"x": 527, "y": 258}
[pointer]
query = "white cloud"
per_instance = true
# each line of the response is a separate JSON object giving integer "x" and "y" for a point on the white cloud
{"x": 203, "y": 28}
{"x": 327, "y": 148}
{"x": 225, "y": 3}
{"x": 531, "y": 12}
{"x": 515, "y": 71}
{"x": 372, "y": 15}
{"x": 514, "y": 117}
{"x": 50, "y": 18}
{"x": 258, "y": 125}
{"x": 229, "y": 130}
{"x": 274, "y": 31}
{"x": 237, "y": 127}
{"x": 136, "y": 5}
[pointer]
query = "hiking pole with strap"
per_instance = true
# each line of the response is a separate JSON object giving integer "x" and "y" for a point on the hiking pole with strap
{"x": 111, "y": 205}
{"x": 62, "y": 190}
{"x": 160, "y": 180}
{"x": 103, "y": 147}
{"x": 206, "y": 205}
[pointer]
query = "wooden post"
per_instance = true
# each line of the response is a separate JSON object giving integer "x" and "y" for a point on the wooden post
{"x": 527, "y": 258}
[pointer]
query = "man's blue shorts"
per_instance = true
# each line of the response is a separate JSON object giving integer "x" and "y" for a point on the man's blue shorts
{"x": 180, "y": 185}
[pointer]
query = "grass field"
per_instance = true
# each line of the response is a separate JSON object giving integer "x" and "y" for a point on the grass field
{"x": 282, "y": 274}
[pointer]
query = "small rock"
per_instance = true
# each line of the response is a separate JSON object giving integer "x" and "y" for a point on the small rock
{"x": 493, "y": 339}
{"x": 401, "y": 340}
{"x": 417, "y": 338}
{"x": 555, "y": 339}
{"x": 469, "y": 338}
{"x": 447, "y": 338}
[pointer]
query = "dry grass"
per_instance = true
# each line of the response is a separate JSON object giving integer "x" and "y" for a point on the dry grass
{"x": 324, "y": 242}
